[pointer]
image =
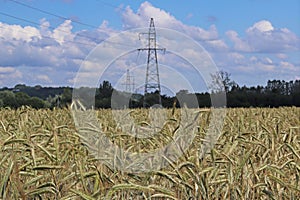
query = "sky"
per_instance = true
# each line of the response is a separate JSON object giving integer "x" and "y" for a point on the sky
{"x": 49, "y": 42}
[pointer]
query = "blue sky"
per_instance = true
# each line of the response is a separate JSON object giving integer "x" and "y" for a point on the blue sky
{"x": 254, "y": 40}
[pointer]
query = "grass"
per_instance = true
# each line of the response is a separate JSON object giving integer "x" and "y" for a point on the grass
{"x": 257, "y": 156}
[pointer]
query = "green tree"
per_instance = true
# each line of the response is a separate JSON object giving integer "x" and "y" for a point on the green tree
{"x": 8, "y": 99}
{"x": 105, "y": 89}
{"x": 66, "y": 97}
{"x": 36, "y": 102}
{"x": 21, "y": 99}
{"x": 221, "y": 82}
{"x": 103, "y": 95}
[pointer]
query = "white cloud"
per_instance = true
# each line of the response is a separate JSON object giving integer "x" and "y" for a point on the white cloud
{"x": 16, "y": 32}
{"x": 253, "y": 59}
{"x": 262, "y": 37}
{"x": 268, "y": 60}
{"x": 44, "y": 78}
{"x": 261, "y": 64}
{"x": 265, "y": 67}
{"x": 44, "y": 27}
{"x": 164, "y": 19}
{"x": 28, "y": 47}
{"x": 262, "y": 26}
{"x": 63, "y": 32}
{"x": 239, "y": 44}
{"x": 8, "y": 75}
{"x": 216, "y": 45}
{"x": 7, "y": 70}
{"x": 37, "y": 55}
{"x": 255, "y": 68}
{"x": 288, "y": 66}
{"x": 281, "y": 56}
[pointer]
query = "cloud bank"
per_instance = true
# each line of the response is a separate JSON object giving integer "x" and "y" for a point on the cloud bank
{"x": 47, "y": 56}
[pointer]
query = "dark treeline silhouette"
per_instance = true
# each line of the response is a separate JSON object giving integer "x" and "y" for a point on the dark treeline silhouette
{"x": 276, "y": 93}
{"x": 36, "y": 96}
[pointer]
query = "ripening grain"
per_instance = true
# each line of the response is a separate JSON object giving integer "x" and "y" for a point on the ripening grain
{"x": 256, "y": 157}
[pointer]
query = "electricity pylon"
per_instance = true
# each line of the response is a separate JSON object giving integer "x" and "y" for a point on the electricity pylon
{"x": 152, "y": 82}
{"x": 129, "y": 82}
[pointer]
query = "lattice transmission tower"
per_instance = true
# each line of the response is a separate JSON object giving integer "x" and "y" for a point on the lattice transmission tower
{"x": 129, "y": 82}
{"x": 152, "y": 82}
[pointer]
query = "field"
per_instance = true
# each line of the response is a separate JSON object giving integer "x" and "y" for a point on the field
{"x": 257, "y": 156}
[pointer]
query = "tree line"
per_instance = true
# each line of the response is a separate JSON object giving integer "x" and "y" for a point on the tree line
{"x": 276, "y": 93}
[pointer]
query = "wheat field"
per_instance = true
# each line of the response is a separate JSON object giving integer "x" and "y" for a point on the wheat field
{"x": 257, "y": 156}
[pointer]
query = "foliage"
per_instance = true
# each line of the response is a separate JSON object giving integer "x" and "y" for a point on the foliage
{"x": 15, "y": 100}
{"x": 221, "y": 81}
{"x": 276, "y": 93}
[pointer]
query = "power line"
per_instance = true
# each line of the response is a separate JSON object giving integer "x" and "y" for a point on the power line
{"x": 67, "y": 41}
{"x": 77, "y": 34}
{"x": 46, "y": 26}
{"x": 18, "y": 18}
{"x": 65, "y": 18}
{"x": 52, "y": 14}
{"x": 25, "y": 20}
{"x": 110, "y": 5}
